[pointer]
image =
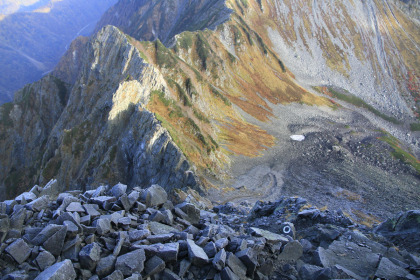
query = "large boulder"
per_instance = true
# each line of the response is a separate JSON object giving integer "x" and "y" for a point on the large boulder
{"x": 154, "y": 196}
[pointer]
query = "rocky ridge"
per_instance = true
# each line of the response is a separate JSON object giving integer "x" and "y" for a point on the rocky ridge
{"x": 109, "y": 96}
{"x": 112, "y": 233}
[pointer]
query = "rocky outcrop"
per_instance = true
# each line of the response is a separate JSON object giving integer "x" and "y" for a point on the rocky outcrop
{"x": 113, "y": 234}
{"x": 151, "y": 20}
{"x": 96, "y": 130}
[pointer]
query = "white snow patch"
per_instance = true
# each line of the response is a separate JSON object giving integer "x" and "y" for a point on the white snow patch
{"x": 297, "y": 137}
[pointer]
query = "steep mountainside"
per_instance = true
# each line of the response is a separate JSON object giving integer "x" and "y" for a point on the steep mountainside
{"x": 211, "y": 97}
{"x": 32, "y": 42}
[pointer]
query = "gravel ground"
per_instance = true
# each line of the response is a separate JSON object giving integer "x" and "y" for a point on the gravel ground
{"x": 341, "y": 164}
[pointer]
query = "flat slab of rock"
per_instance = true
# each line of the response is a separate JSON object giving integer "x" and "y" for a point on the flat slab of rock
{"x": 26, "y": 196}
{"x": 92, "y": 210}
{"x": 270, "y": 236}
{"x": 389, "y": 270}
{"x": 75, "y": 207}
{"x": 106, "y": 265}
{"x": 55, "y": 243}
{"x": 154, "y": 265}
{"x": 292, "y": 251}
{"x": 19, "y": 250}
{"x": 44, "y": 260}
{"x": 38, "y": 204}
{"x": 132, "y": 262}
{"x": 193, "y": 213}
{"x": 158, "y": 228}
{"x": 59, "y": 271}
{"x": 140, "y": 234}
{"x": 359, "y": 260}
{"x": 196, "y": 254}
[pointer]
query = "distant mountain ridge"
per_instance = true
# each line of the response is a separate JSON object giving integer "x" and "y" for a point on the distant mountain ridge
{"x": 31, "y": 43}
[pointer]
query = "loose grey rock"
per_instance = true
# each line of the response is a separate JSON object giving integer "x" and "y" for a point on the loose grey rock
{"x": 116, "y": 275}
{"x": 158, "y": 228}
{"x": 75, "y": 207}
{"x": 90, "y": 255}
{"x": 236, "y": 265}
{"x": 132, "y": 262}
{"x": 136, "y": 235}
{"x": 19, "y": 250}
{"x": 227, "y": 274}
{"x": 135, "y": 276}
{"x": 38, "y": 204}
{"x": 45, "y": 233}
{"x": 154, "y": 266}
{"x": 359, "y": 260}
{"x": 122, "y": 235}
{"x": 133, "y": 197}
{"x": 168, "y": 252}
{"x": 124, "y": 221}
{"x": 106, "y": 265}
{"x": 72, "y": 229}
{"x": 270, "y": 236}
{"x": 59, "y": 271}
{"x": 50, "y": 189}
{"x": 196, "y": 254}
{"x": 71, "y": 249}
{"x": 118, "y": 190}
{"x": 169, "y": 275}
{"x": 249, "y": 259}
{"x": 103, "y": 225}
{"x": 55, "y": 243}
{"x": 155, "y": 195}
{"x": 389, "y": 270}
{"x": 210, "y": 249}
{"x": 92, "y": 210}
{"x": 219, "y": 260}
{"x": 125, "y": 202}
{"x": 103, "y": 201}
{"x": 18, "y": 219}
{"x": 4, "y": 227}
{"x": 26, "y": 196}
{"x": 221, "y": 243}
{"x": 44, "y": 260}
{"x": 168, "y": 217}
{"x": 16, "y": 275}
{"x": 160, "y": 238}
{"x": 184, "y": 266}
{"x": 193, "y": 213}
{"x": 292, "y": 251}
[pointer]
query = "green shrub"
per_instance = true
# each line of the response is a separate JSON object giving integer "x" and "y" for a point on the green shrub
{"x": 362, "y": 104}
{"x": 415, "y": 126}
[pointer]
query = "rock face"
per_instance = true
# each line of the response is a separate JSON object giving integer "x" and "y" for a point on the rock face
{"x": 78, "y": 151}
{"x": 218, "y": 246}
{"x": 179, "y": 16}
{"x": 310, "y": 43}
